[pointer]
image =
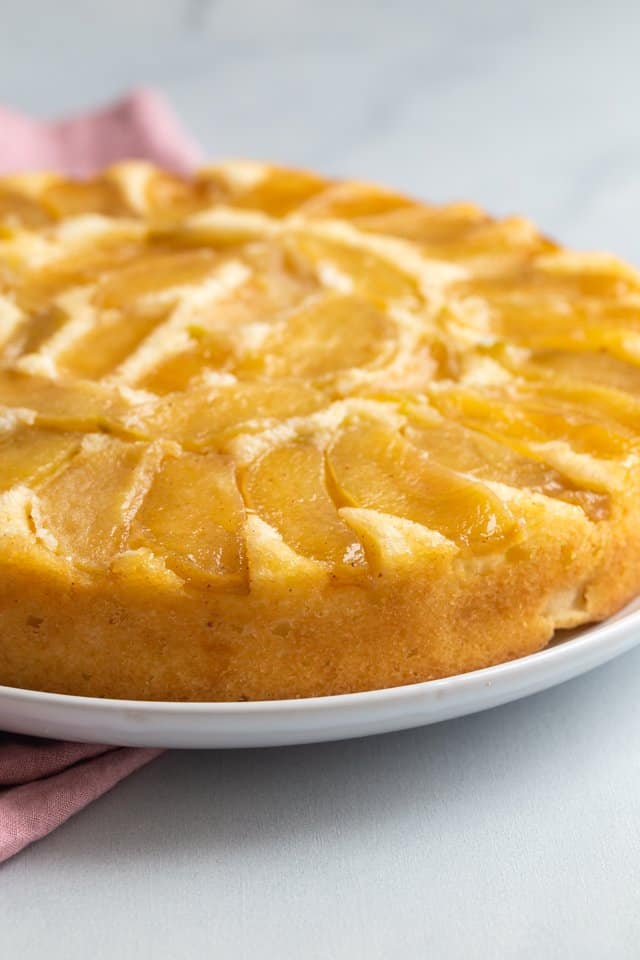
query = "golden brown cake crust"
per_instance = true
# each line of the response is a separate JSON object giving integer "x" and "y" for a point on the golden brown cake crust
{"x": 264, "y": 435}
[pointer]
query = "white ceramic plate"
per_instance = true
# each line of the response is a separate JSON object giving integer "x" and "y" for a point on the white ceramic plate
{"x": 279, "y": 722}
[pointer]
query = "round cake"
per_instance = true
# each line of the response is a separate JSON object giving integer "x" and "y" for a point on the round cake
{"x": 265, "y": 435}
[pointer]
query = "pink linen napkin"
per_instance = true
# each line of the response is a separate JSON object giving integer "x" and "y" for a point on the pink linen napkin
{"x": 44, "y": 782}
{"x": 140, "y": 126}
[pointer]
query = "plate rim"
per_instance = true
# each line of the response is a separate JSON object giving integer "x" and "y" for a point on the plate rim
{"x": 558, "y": 653}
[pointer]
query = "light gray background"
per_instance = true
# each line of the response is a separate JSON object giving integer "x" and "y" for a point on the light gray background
{"x": 513, "y": 834}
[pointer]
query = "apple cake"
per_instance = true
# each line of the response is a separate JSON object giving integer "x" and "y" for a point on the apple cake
{"x": 266, "y": 435}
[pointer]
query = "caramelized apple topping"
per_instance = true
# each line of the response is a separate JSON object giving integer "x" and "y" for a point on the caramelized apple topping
{"x": 181, "y": 358}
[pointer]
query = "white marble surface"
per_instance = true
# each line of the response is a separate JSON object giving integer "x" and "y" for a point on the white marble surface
{"x": 515, "y": 834}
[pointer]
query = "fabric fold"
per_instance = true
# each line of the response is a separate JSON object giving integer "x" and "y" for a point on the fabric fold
{"x": 141, "y": 126}
{"x": 31, "y": 810}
